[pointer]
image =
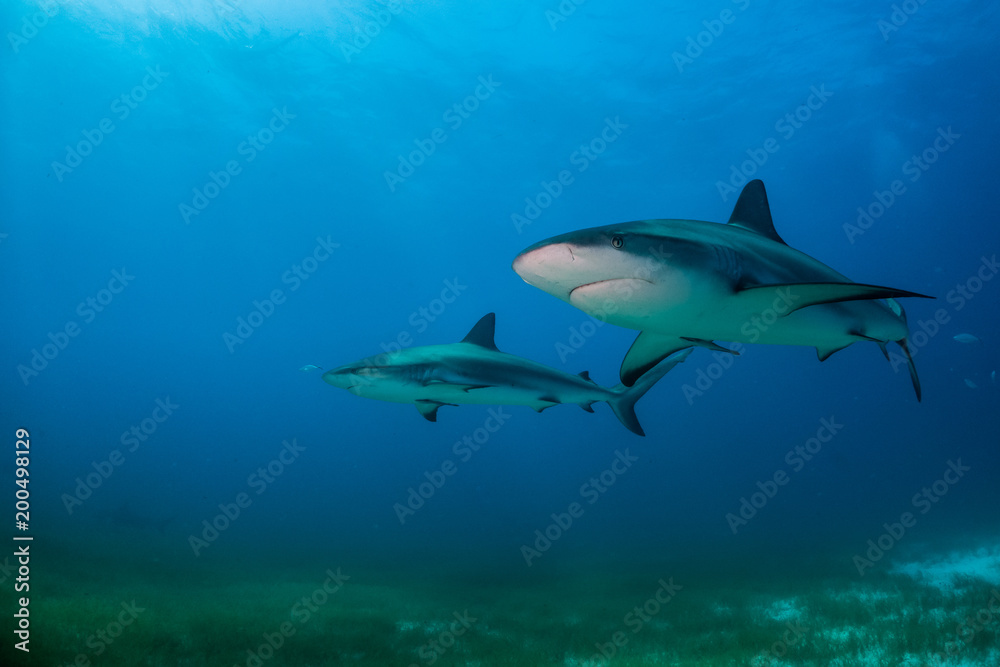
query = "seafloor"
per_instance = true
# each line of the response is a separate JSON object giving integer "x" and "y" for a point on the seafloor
{"x": 123, "y": 604}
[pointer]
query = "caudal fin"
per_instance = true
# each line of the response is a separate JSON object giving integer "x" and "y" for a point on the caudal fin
{"x": 623, "y": 403}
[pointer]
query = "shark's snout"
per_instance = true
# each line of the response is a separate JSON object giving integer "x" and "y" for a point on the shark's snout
{"x": 343, "y": 377}
{"x": 543, "y": 260}
{"x": 551, "y": 267}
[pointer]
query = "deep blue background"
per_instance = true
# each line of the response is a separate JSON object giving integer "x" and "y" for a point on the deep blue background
{"x": 230, "y": 65}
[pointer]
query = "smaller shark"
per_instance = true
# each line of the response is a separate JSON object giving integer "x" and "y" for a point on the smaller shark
{"x": 474, "y": 371}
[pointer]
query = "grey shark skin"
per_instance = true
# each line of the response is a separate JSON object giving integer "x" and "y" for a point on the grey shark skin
{"x": 474, "y": 371}
{"x": 686, "y": 283}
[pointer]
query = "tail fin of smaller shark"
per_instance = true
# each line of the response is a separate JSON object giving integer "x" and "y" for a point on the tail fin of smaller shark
{"x": 623, "y": 403}
{"x": 904, "y": 344}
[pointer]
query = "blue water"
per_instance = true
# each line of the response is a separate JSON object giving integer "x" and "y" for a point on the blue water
{"x": 200, "y": 198}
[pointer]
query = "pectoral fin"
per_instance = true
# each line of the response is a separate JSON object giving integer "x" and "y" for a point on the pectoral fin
{"x": 786, "y": 298}
{"x": 461, "y": 387}
{"x": 648, "y": 350}
{"x": 429, "y": 409}
{"x": 709, "y": 345}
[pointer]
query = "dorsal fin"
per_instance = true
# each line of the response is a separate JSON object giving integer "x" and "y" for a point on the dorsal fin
{"x": 586, "y": 376}
{"x": 752, "y": 212}
{"x": 482, "y": 334}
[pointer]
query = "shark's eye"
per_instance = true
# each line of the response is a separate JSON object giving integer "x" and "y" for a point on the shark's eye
{"x": 617, "y": 241}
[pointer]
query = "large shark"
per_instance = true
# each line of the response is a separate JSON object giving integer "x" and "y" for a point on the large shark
{"x": 474, "y": 371}
{"x": 686, "y": 283}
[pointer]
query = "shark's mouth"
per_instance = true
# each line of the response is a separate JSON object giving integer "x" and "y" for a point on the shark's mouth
{"x": 624, "y": 285}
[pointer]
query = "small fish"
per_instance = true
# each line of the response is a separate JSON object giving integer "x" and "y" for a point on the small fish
{"x": 967, "y": 338}
{"x": 970, "y": 384}
{"x": 993, "y": 377}
{"x": 309, "y": 368}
